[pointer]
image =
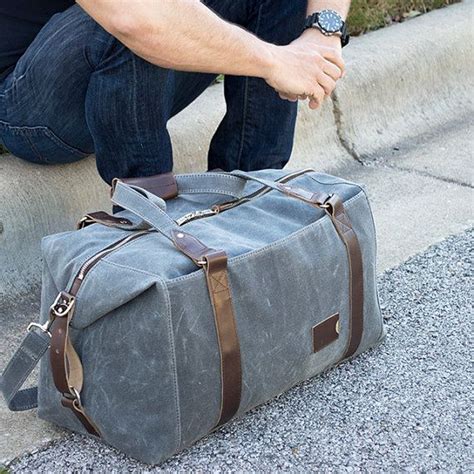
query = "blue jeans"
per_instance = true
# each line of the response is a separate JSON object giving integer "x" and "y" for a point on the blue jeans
{"x": 77, "y": 91}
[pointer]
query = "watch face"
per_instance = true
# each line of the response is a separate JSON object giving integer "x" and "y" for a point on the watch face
{"x": 330, "y": 21}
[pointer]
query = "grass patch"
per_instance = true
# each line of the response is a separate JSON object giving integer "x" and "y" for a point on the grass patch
{"x": 367, "y": 15}
{"x": 2, "y": 150}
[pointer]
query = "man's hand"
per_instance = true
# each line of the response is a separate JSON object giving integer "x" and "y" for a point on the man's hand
{"x": 187, "y": 36}
{"x": 308, "y": 68}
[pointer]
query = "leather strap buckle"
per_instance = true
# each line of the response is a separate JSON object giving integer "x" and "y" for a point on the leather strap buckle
{"x": 62, "y": 306}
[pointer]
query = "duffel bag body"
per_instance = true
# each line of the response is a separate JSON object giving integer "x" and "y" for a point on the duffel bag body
{"x": 165, "y": 321}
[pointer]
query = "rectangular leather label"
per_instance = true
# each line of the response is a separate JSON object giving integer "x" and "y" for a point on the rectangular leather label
{"x": 325, "y": 332}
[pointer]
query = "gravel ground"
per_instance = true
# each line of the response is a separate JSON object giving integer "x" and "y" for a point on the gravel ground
{"x": 404, "y": 406}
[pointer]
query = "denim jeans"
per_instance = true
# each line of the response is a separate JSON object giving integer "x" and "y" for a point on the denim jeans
{"x": 77, "y": 91}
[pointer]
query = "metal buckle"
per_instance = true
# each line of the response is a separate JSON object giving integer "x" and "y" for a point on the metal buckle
{"x": 82, "y": 222}
{"x": 74, "y": 396}
{"x": 42, "y": 327}
{"x": 62, "y": 305}
{"x": 325, "y": 205}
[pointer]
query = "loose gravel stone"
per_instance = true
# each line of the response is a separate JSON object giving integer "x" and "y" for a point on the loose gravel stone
{"x": 404, "y": 406}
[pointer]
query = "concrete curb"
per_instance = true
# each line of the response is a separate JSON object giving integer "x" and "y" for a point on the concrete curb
{"x": 406, "y": 80}
{"x": 401, "y": 82}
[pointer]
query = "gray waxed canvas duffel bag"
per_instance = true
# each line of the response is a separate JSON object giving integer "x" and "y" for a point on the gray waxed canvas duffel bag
{"x": 207, "y": 295}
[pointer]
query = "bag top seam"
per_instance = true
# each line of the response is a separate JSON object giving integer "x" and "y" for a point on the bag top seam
{"x": 270, "y": 246}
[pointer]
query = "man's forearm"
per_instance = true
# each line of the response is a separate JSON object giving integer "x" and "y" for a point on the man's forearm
{"x": 186, "y": 35}
{"x": 340, "y": 6}
{"x": 183, "y": 35}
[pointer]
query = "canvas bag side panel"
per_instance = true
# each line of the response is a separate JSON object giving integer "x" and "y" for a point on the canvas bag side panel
{"x": 130, "y": 386}
{"x": 279, "y": 293}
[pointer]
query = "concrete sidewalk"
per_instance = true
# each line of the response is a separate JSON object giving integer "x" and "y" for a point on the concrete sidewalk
{"x": 402, "y": 82}
{"x": 419, "y": 176}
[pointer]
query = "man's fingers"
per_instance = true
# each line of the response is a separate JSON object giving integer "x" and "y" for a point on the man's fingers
{"x": 327, "y": 83}
{"x": 332, "y": 70}
{"x": 317, "y": 96}
{"x": 286, "y": 96}
{"x": 333, "y": 57}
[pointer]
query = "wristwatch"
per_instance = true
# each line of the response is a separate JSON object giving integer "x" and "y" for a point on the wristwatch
{"x": 329, "y": 23}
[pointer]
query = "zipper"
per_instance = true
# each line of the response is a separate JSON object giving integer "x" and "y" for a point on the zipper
{"x": 87, "y": 266}
{"x": 218, "y": 208}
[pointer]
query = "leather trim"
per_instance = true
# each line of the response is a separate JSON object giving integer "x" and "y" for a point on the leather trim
{"x": 101, "y": 217}
{"x": 190, "y": 246}
{"x": 162, "y": 185}
{"x": 215, "y": 265}
{"x": 229, "y": 347}
{"x": 78, "y": 410}
{"x": 66, "y": 366}
{"x": 325, "y": 332}
{"x": 356, "y": 273}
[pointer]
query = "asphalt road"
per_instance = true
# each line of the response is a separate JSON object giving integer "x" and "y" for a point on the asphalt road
{"x": 405, "y": 406}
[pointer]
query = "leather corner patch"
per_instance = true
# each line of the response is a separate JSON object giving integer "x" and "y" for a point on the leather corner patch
{"x": 325, "y": 332}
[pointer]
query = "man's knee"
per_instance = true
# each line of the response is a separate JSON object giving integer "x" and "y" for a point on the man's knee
{"x": 280, "y": 21}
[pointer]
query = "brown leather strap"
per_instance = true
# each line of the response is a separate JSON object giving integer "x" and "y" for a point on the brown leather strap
{"x": 215, "y": 264}
{"x": 101, "y": 217}
{"x": 78, "y": 410}
{"x": 334, "y": 207}
{"x": 336, "y": 211}
{"x": 161, "y": 185}
{"x": 65, "y": 363}
{"x": 229, "y": 348}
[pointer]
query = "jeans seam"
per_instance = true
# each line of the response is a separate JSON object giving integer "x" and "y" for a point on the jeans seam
{"x": 135, "y": 96}
{"x": 35, "y": 150}
{"x": 18, "y": 129}
{"x": 246, "y": 100}
{"x": 16, "y": 79}
{"x": 244, "y": 120}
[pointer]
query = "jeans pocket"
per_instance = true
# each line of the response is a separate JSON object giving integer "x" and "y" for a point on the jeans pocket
{"x": 38, "y": 145}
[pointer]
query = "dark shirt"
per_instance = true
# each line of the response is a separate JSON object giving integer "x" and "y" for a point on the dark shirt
{"x": 20, "y": 22}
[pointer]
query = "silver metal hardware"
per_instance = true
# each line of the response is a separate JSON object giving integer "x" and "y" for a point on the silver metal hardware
{"x": 325, "y": 205}
{"x": 62, "y": 306}
{"x": 42, "y": 327}
{"x": 196, "y": 215}
{"x": 76, "y": 395}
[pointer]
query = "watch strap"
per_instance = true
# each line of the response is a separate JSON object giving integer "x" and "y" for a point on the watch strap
{"x": 312, "y": 20}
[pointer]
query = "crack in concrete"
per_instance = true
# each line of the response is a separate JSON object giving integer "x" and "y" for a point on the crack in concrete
{"x": 345, "y": 143}
{"x": 426, "y": 174}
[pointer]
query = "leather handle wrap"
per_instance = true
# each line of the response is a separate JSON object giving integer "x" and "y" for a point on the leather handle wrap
{"x": 229, "y": 348}
{"x": 344, "y": 228}
{"x": 215, "y": 264}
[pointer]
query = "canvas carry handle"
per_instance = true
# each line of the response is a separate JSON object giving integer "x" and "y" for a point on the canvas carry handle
{"x": 211, "y": 183}
{"x": 148, "y": 207}
{"x": 168, "y": 186}
{"x": 152, "y": 209}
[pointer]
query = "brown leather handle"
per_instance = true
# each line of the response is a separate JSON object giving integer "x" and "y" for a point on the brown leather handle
{"x": 335, "y": 209}
{"x": 215, "y": 265}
